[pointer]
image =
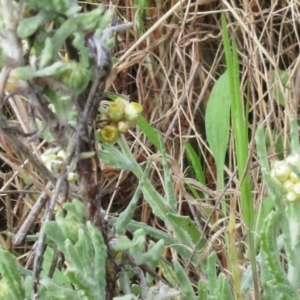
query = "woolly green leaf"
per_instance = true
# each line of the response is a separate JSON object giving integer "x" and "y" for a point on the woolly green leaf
{"x": 168, "y": 272}
{"x": 170, "y": 194}
{"x": 128, "y": 213}
{"x": 47, "y": 53}
{"x": 154, "y": 253}
{"x": 90, "y": 20}
{"x": 55, "y": 234}
{"x": 122, "y": 243}
{"x": 269, "y": 250}
{"x": 184, "y": 281}
{"x": 247, "y": 280}
{"x": 188, "y": 225}
{"x": 138, "y": 245}
{"x": 68, "y": 225}
{"x": 28, "y": 26}
{"x": 266, "y": 206}
{"x": 80, "y": 282}
{"x": 100, "y": 254}
{"x": 73, "y": 256}
{"x": 202, "y": 291}
{"x": 158, "y": 234}
{"x": 56, "y": 291}
{"x": 11, "y": 276}
{"x": 58, "y": 276}
{"x": 211, "y": 273}
{"x": 62, "y": 33}
{"x": 84, "y": 249}
{"x": 112, "y": 156}
{"x": 283, "y": 291}
{"x": 80, "y": 44}
{"x": 75, "y": 209}
{"x": 224, "y": 291}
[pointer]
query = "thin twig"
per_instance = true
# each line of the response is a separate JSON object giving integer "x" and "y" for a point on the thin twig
{"x": 31, "y": 218}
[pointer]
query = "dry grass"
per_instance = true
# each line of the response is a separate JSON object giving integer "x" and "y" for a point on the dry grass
{"x": 170, "y": 67}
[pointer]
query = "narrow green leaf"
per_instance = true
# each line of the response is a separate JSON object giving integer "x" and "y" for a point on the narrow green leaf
{"x": 275, "y": 88}
{"x": 148, "y": 130}
{"x": 195, "y": 162}
{"x": 170, "y": 194}
{"x": 139, "y": 8}
{"x": 185, "y": 283}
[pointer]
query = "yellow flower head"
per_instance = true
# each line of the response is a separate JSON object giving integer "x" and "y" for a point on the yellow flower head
{"x": 115, "y": 111}
{"x": 109, "y": 134}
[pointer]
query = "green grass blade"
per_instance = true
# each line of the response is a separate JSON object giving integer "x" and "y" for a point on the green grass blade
{"x": 195, "y": 162}
{"x": 240, "y": 133}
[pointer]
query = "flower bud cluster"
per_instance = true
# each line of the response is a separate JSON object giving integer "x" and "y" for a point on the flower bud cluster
{"x": 53, "y": 162}
{"x": 119, "y": 116}
{"x": 283, "y": 174}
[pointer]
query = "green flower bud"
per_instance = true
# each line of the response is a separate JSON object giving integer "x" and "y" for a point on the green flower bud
{"x": 296, "y": 189}
{"x": 61, "y": 155}
{"x": 294, "y": 178}
{"x": 292, "y": 197}
{"x": 281, "y": 171}
{"x": 123, "y": 127}
{"x": 288, "y": 185}
{"x": 72, "y": 177}
{"x": 109, "y": 134}
{"x": 49, "y": 159}
{"x": 115, "y": 111}
{"x": 294, "y": 160}
{"x": 132, "y": 112}
{"x": 102, "y": 120}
